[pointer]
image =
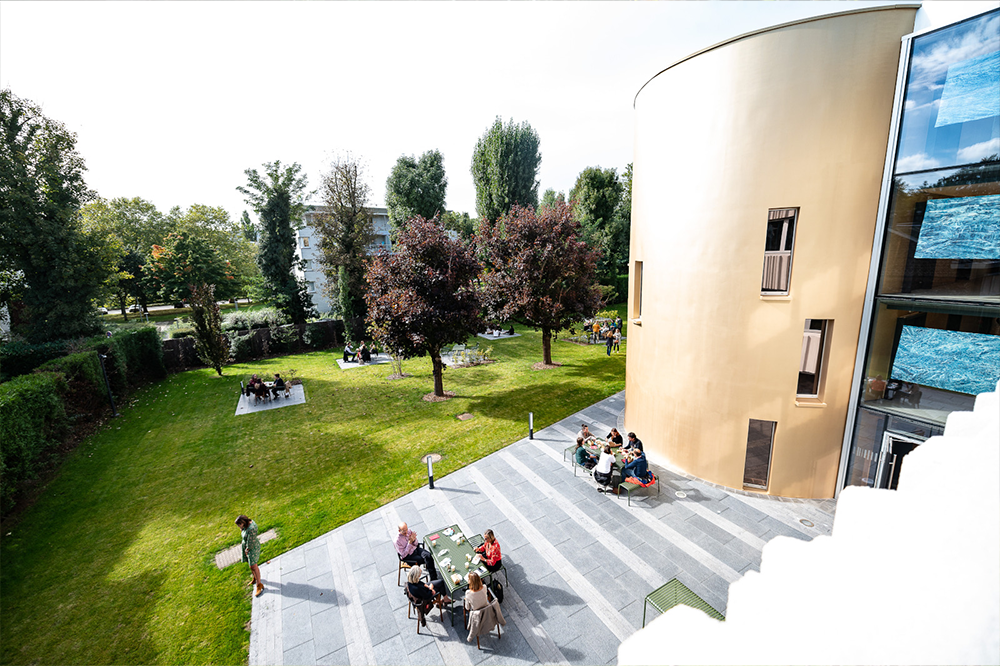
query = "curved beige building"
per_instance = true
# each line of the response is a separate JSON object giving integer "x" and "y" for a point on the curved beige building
{"x": 758, "y": 166}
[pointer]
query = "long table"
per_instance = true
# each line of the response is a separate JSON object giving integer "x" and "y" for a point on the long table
{"x": 448, "y": 553}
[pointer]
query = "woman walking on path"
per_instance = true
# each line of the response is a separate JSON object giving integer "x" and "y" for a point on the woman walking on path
{"x": 251, "y": 549}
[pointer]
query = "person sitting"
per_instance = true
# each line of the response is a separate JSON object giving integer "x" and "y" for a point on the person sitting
{"x": 366, "y": 355}
{"x": 614, "y": 438}
{"x": 350, "y": 356}
{"x": 604, "y": 469}
{"x": 586, "y": 434}
{"x": 413, "y": 553}
{"x": 250, "y": 385}
{"x": 634, "y": 443}
{"x": 638, "y": 468}
{"x": 510, "y": 331}
{"x": 582, "y": 456}
{"x": 259, "y": 390}
{"x": 425, "y": 592}
{"x": 475, "y": 597}
{"x": 490, "y": 551}
{"x": 279, "y": 385}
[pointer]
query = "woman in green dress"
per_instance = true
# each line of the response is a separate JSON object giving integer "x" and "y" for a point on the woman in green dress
{"x": 251, "y": 549}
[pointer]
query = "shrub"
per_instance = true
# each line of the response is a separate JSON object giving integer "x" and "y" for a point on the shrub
{"x": 19, "y": 357}
{"x": 182, "y": 332}
{"x": 82, "y": 366}
{"x": 32, "y": 420}
{"x": 242, "y": 320}
{"x": 240, "y": 347}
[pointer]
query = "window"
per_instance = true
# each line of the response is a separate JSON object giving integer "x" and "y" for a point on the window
{"x": 814, "y": 339}
{"x": 778, "y": 244}
{"x": 311, "y": 287}
{"x": 305, "y": 241}
{"x": 637, "y": 294}
{"x": 306, "y": 265}
{"x": 760, "y": 436}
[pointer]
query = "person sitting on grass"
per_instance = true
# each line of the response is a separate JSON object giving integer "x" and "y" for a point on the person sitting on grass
{"x": 582, "y": 456}
{"x": 604, "y": 469}
{"x": 490, "y": 551}
{"x": 279, "y": 385}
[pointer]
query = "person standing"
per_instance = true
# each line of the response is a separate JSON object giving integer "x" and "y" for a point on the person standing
{"x": 250, "y": 545}
{"x": 413, "y": 553}
{"x": 609, "y": 341}
{"x": 618, "y": 338}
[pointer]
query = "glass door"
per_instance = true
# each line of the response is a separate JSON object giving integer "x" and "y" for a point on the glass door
{"x": 894, "y": 448}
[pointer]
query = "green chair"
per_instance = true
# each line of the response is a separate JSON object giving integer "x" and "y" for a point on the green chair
{"x": 629, "y": 487}
{"x": 674, "y": 593}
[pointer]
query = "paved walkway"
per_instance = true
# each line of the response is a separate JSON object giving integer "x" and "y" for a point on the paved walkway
{"x": 580, "y": 562}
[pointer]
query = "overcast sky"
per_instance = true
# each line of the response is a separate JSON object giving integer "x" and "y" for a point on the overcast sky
{"x": 171, "y": 102}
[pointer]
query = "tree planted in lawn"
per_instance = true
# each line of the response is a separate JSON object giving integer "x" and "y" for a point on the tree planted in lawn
{"x": 423, "y": 296}
{"x": 210, "y": 343}
{"x": 537, "y": 270}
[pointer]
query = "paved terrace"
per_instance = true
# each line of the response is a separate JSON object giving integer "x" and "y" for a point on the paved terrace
{"x": 580, "y": 562}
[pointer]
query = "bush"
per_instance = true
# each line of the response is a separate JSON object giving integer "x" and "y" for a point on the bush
{"x": 20, "y": 358}
{"x": 242, "y": 320}
{"x": 240, "y": 347}
{"x": 182, "y": 332}
{"x": 32, "y": 421}
{"x": 82, "y": 367}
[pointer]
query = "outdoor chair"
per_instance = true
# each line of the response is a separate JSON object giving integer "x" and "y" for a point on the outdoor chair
{"x": 628, "y": 487}
{"x": 405, "y": 566}
{"x": 674, "y": 593}
{"x": 423, "y": 608}
{"x": 468, "y": 617}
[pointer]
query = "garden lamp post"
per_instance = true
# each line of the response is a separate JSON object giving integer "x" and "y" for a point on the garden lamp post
{"x": 531, "y": 425}
{"x": 107, "y": 384}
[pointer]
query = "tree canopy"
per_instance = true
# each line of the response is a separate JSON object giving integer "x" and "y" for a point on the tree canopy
{"x": 423, "y": 296}
{"x": 505, "y": 167}
{"x": 186, "y": 261}
{"x": 346, "y": 234}
{"x": 278, "y": 198}
{"x": 41, "y": 191}
{"x": 602, "y": 205}
{"x": 537, "y": 270}
{"x": 415, "y": 187}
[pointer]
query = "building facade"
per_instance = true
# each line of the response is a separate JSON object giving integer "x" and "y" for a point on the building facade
{"x": 306, "y": 249}
{"x": 931, "y": 330}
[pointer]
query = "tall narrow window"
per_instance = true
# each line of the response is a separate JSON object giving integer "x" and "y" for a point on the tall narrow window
{"x": 814, "y": 338}
{"x": 637, "y": 294}
{"x": 760, "y": 436}
{"x": 778, "y": 244}
{"x": 305, "y": 241}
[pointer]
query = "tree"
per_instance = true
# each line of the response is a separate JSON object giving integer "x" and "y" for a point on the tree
{"x": 278, "y": 198}
{"x": 182, "y": 262}
{"x": 537, "y": 271}
{"x": 423, "y": 297}
{"x": 596, "y": 199}
{"x": 460, "y": 223}
{"x": 248, "y": 228}
{"x": 210, "y": 343}
{"x": 550, "y": 199}
{"x": 346, "y": 234}
{"x": 41, "y": 191}
{"x": 505, "y": 168}
{"x": 415, "y": 187}
{"x": 224, "y": 235}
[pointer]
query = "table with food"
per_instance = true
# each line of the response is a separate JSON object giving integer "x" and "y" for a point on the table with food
{"x": 455, "y": 559}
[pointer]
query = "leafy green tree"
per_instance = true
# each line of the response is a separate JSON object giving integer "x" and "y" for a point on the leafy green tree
{"x": 597, "y": 202}
{"x": 505, "y": 166}
{"x": 226, "y": 236}
{"x": 210, "y": 343}
{"x": 550, "y": 198}
{"x": 415, "y": 187}
{"x": 460, "y": 223}
{"x": 278, "y": 198}
{"x": 185, "y": 261}
{"x": 346, "y": 234}
{"x": 41, "y": 191}
{"x": 423, "y": 295}
{"x": 537, "y": 271}
{"x": 249, "y": 229}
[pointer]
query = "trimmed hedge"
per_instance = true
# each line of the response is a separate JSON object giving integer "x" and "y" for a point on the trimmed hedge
{"x": 32, "y": 422}
{"x": 20, "y": 358}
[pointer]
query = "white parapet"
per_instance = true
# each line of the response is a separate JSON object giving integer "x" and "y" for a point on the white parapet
{"x": 910, "y": 576}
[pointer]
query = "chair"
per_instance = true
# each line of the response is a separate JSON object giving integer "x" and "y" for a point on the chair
{"x": 423, "y": 607}
{"x": 628, "y": 487}
{"x": 405, "y": 566}
{"x": 673, "y": 593}
{"x": 497, "y": 619}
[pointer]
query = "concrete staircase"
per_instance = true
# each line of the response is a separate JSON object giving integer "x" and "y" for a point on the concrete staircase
{"x": 910, "y": 576}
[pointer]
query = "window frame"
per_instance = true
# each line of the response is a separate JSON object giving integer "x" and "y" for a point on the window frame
{"x": 771, "y": 257}
{"x": 822, "y": 360}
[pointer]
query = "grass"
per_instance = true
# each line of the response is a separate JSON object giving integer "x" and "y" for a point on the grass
{"x": 114, "y": 563}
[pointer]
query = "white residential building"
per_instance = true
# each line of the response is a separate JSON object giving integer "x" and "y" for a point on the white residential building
{"x": 306, "y": 249}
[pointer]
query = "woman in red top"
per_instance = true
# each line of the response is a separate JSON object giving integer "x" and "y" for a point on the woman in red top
{"x": 491, "y": 552}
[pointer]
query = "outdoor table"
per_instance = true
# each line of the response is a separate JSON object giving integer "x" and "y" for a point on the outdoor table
{"x": 595, "y": 450}
{"x": 441, "y": 543}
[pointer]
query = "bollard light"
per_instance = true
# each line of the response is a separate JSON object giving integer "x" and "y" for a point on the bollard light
{"x": 531, "y": 425}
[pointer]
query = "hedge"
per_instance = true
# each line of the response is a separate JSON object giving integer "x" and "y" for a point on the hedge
{"x": 20, "y": 358}
{"x": 32, "y": 422}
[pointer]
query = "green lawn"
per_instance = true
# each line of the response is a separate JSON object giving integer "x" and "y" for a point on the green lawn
{"x": 114, "y": 564}
{"x": 115, "y": 316}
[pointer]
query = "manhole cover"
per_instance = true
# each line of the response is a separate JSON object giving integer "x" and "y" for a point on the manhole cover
{"x": 433, "y": 456}
{"x": 807, "y": 523}
{"x": 464, "y": 417}
{"x": 681, "y": 494}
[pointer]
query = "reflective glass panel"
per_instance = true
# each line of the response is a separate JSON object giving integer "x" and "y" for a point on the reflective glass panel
{"x": 951, "y": 113}
{"x": 863, "y": 461}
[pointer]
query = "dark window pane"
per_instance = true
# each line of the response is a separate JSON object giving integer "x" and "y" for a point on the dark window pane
{"x": 758, "y": 462}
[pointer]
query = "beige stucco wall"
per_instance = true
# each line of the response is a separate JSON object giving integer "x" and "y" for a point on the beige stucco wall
{"x": 799, "y": 117}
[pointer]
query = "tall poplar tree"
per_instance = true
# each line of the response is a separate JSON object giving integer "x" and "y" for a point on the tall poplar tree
{"x": 278, "y": 198}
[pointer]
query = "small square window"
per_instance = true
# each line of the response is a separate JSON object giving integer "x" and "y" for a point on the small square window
{"x": 779, "y": 242}
{"x": 305, "y": 241}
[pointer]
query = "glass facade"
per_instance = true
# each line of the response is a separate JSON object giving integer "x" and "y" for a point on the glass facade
{"x": 934, "y": 338}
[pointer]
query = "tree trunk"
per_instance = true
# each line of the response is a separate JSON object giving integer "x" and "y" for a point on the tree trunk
{"x": 547, "y": 345}
{"x": 438, "y": 380}
{"x": 123, "y": 303}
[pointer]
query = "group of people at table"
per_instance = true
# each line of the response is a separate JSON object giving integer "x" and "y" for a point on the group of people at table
{"x": 261, "y": 391}
{"x": 419, "y": 558}
{"x": 361, "y": 355}
{"x": 633, "y": 464}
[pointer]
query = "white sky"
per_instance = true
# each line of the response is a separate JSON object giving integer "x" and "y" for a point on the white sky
{"x": 172, "y": 101}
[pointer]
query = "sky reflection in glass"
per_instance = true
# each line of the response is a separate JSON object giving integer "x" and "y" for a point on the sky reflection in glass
{"x": 949, "y": 360}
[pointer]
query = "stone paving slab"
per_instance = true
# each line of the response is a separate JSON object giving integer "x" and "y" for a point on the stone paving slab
{"x": 579, "y": 563}
{"x": 250, "y": 404}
